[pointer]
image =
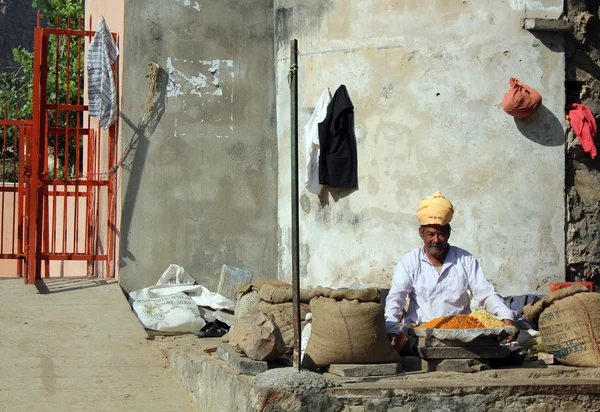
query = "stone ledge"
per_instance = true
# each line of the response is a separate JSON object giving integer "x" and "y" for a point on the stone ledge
{"x": 538, "y": 24}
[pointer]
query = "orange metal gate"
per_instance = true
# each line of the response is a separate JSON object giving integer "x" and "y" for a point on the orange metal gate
{"x": 64, "y": 196}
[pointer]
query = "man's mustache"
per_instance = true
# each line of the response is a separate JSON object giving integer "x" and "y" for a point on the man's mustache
{"x": 436, "y": 245}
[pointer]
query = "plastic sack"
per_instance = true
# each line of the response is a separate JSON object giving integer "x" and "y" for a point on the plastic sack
{"x": 173, "y": 313}
{"x": 521, "y": 100}
{"x": 175, "y": 275}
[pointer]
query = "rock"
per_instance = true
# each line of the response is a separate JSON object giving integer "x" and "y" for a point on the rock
{"x": 257, "y": 336}
{"x": 358, "y": 370}
{"x": 461, "y": 365}
{"x": 540, "y": 407}
{"x": 587, "y": 184}
{"x": 545, "y": 358}
{"x": 243, "y": 365}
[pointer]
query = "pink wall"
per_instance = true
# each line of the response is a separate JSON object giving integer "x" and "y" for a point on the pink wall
{"x": 113, "y": 12}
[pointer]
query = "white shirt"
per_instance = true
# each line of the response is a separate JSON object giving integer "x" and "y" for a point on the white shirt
{"x": 432, "y": 295}
{"x": 311, "y": 142}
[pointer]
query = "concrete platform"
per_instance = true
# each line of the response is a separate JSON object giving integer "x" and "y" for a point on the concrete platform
{"x": 217, "y": 387}
{"x": 78, "y": 347}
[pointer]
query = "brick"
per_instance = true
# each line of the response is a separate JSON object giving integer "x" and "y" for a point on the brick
{"x": 242, "y": 364}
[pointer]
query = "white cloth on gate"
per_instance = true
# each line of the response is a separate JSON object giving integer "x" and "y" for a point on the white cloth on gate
{"x": 175, "y": 280}
{"x": 102, "y": 90}
{"x": 311, "y": 141}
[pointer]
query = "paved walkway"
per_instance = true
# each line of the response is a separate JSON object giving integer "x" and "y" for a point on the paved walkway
{"x": 74, "y": 345}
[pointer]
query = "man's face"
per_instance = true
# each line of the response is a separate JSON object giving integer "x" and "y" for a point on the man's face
{"x": 435, "y": 238}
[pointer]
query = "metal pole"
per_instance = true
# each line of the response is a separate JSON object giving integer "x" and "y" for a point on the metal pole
{"x": 293, "y": 77}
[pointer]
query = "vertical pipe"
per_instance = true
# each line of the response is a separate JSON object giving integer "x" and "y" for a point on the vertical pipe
{"x": 39, "y": 99}
{"x": 66, "y": 168}
{"x": 89, "y": 199}
{"x": 77, "y": 145}
{"x": 293, "y": 76}
{"x": 15, "y": 145}
{"x": 21, "y": 186}
{"x": 3, "y": 182}
{"x": 56, "y": 125}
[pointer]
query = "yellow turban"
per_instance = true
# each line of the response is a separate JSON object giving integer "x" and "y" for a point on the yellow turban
{"x": 435, "y": 210}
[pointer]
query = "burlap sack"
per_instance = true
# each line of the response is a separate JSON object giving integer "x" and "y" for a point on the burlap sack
{"x": 569, "y": 321}
{"x": 533, "y": 312}
{"x": 371, "y": 294}
{"x": 347, "y": 331}
{"x": 281, "y": 294}
{"x": 246, "y": 303}
{"x": 260, "y": 283}
{"x": 283, "y": 316}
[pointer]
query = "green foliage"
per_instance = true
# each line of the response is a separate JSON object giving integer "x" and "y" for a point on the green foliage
{"x": 16, "y": 85}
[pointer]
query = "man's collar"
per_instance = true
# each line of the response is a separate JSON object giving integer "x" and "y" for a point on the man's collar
{"x": 451, "y": 257}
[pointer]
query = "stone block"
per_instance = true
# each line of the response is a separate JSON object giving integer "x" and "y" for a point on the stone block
{"x": 360, "y": 370}
{"x": 241, "y": 364}
{"x": 539, "y": 24}
{"x": 256, "y": 335}
{"x": 545, "y": 358}
{"x": 458, "y": 365}
{"x": 413, "y": 364}
{"x": 475, "y": 352}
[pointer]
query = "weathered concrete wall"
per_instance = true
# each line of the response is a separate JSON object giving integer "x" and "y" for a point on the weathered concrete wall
{"x": 17, "y": 21}
{"x": 426, "y": 80}
{"x": 583, "y": 173}
{"x": 200, "y": 187}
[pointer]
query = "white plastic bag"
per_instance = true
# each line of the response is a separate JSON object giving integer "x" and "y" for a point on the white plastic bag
{"x": 175, "y": 275}
{"x": 173, "y": 313}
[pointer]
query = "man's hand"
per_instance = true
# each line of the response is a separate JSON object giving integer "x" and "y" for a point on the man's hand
{"x": 394, "y": 340}
{"x": 510, "y": 322}
{"x": 397, "y": 341}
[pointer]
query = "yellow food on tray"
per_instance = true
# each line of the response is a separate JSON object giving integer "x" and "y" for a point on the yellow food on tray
{"x": 487, "y": 319}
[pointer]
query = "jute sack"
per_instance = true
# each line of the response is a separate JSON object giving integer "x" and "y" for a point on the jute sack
{"x": 281, "y": 294}
{"x": 246, "y": 303}
{"x": 371, "y": 294}
{"x": 569, "y": 321}
{"x": 347, "y": 331}
{"x": 283, "y": 315}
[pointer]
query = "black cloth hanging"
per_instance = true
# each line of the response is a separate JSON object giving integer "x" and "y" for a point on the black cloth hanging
{"x": 338, "y": 162}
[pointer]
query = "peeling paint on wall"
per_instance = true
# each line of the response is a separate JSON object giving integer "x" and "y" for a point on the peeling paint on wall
{"x": 188, "y": 3}
{"x": 194, "y": 83}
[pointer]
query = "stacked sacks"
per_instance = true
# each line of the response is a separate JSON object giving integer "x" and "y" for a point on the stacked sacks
{"x": 348, "y": 326}
{"x": 274, "y": 299}
{"x": 569, "y": 321}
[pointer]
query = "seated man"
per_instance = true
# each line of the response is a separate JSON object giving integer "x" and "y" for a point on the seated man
{"x": 436, "y": 277}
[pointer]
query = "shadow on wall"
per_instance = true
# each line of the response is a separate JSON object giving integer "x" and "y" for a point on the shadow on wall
{"x": 542, "y": 128}
{"x": 336, "y": 193}
{"x": 139, "y": 146}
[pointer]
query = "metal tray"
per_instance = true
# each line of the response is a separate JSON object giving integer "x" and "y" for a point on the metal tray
{"x": 463, "y": 335}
